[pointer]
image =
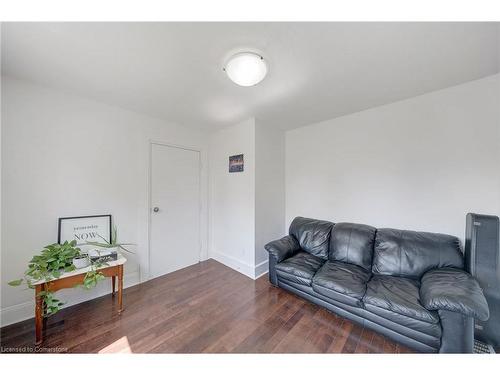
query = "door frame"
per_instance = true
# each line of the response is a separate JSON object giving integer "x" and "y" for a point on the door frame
{"x": 150, "y": 194}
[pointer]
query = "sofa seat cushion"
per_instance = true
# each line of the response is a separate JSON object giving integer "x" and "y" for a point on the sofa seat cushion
{"x": 299, "y": 268}
{"x": 398, "y": 295}
{"x": 341, "y": 281}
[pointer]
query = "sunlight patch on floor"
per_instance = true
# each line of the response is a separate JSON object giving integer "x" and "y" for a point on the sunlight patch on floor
{"x": 119, "y": 346}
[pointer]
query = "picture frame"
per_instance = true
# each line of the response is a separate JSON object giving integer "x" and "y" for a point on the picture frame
{"x": 236, "y": 163}
{"x": 95, "y": 228}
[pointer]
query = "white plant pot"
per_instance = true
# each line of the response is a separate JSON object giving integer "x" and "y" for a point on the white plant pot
{"x": 81, "y": 262}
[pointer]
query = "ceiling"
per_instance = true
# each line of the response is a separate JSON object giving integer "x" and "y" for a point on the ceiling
{"x": 317, "y": 71}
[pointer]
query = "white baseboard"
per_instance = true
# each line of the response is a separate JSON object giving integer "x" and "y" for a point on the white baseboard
{"x": 246, "y": 269}
{"x": 26, "y": 310}
{"x": 234, "y": 263}
{"x": 17, "y": 313}
{"x": 261, "y": 269}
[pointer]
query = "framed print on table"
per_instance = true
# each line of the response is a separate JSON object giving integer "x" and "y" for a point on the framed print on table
{"x": 84, "y": 228}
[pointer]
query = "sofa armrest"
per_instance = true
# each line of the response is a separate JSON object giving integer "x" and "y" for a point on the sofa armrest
{"x": 453, "y": 290}
{"x": 282, "y": 248}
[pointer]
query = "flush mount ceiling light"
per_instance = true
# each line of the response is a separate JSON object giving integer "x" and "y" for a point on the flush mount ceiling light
{"x": 246, "y": 68}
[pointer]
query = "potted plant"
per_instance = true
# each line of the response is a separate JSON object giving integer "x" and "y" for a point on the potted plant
{"x": 55, "y": 259}
{"x": 81, "y": 261}
{"x": 113, "y": 244}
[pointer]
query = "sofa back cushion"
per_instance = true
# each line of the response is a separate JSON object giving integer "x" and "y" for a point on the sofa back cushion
{"x": 410, "y": 254}
{"x": 352, "y": 243}
{"x": 313, "y": 235}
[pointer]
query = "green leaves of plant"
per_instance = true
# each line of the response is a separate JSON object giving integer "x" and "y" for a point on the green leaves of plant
{"x": 92, "y": 278}
{"x": 51, "y": 305}
{"x": 69, "y": 268}
{"x": 15, "y": 282}
{"x": 49, "y": 264}
{"x": 100, "y": 244}
{"x": 114, "y": 242}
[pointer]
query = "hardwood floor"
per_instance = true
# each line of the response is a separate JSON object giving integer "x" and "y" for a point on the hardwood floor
{"x": 205, "y": 308}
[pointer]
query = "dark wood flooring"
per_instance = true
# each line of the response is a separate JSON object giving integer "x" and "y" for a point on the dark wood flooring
{"x": 205, "y": 308}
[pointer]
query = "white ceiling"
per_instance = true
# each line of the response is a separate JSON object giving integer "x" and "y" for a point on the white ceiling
{"x": 316, "y": 70}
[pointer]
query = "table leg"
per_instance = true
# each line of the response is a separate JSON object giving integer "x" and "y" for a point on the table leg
{"x": 38, "y": 315}
{"x": 120, "y": 288}
{"x": 113, "y": 283}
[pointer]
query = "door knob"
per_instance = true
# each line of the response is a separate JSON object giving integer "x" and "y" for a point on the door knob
{"x": 156, "y": 209}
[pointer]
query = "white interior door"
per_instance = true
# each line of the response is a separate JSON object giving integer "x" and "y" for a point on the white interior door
{"x": 175, "y": 209}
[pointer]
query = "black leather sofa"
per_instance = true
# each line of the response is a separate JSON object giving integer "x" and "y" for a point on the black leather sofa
{"x": 410, "y": 286}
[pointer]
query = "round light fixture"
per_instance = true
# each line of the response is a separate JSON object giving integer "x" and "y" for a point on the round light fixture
{"x": 246, "y": 68}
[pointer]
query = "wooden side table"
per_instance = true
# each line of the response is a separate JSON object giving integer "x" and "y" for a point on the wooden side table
{"x": 114, "y": 269}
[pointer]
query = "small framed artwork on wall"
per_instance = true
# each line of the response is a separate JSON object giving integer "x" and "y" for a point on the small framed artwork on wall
{"x": 236, "y": 163}
{"x": 84, "y": 228}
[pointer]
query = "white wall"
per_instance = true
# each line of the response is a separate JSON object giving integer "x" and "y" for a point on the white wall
{"x": 247, "y": 209}
{"x": 232, "y": 198}
{"x": 64, "y": 155}
{"x": 420, "y": 164}
{"x": 269, "y": 190}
